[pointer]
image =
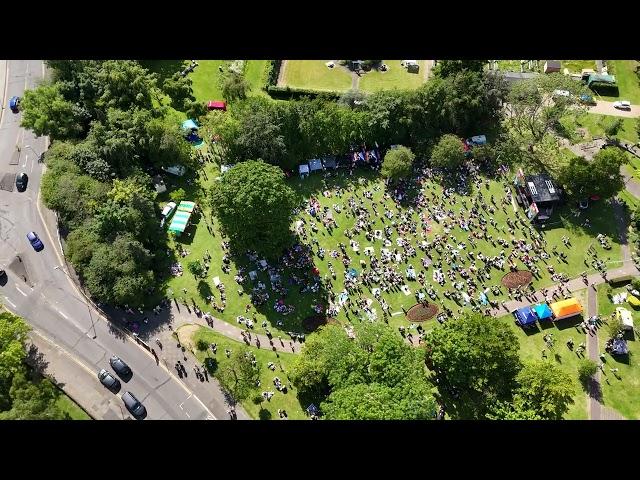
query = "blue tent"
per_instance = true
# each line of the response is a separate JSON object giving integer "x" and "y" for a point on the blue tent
{"x": 543, "y": 311}
{"x": 189, "y": 125}
{"x": 525, "y": 316}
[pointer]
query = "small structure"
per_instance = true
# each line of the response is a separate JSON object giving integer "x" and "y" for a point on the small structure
{"x": 226, "y": 168}
{"x": 189, "y": 126}
{"x": 312, "y": 410}
{"x": 551, "y": 66}
{"x": 537, "y": 194}
{"x": 596, "y": 79}
{"x": 177, "y": 170}
{"x": 217, "y": 105}
{"x": 619, "y": 347}
{"x": 181, "y": 218}
{"x": 303, "y": 170}
{"x": 514, "y": 77}
{"x": 525, "y": 316}
{"x": 625, "y": 317}
{"x": 543, "y": 312}
{"x": 566, "y": 308}
{"x": 412, "y": 66}
{"x": 158, "y": 184}
{"x": 330, "y": 162}
{"x": 314, "y": 165}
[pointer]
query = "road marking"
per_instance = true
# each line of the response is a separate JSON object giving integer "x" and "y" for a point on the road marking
{"x": 187, "y": 414}
{"x": 211, "y": 417}
{"x": 26, "y": 157}
{"x": 62, "y": 314}
{"x": 4, "y": 96}
{"x": 7, "y": 299}
{"x": 18, "y": 288}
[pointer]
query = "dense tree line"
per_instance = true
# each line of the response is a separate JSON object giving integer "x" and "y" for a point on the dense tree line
{"x": 24, "y": 393}
{"x": 108, "y": 129}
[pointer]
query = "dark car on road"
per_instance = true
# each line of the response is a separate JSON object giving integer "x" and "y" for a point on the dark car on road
{"x": 21, "y": 181}
{"x": 108, "y": 380}
{"x": 35, "y": 241}
{"x": 14, "y": 104}
{"x": 133, "y": 405}
{"x": 121, "y": 368}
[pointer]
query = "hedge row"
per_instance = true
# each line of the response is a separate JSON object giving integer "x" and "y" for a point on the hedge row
{"x": 289, "y": 93}
{"x": 273, "y": 71}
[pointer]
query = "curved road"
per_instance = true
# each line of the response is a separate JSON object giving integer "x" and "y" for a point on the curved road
{"x": 46, "y": 298}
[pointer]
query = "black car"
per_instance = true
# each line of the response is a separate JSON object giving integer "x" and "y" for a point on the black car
{"x": 121, "y": 368}
{"x": 21, "y": 181}
{"x": 133, "y": 405}
{"x": 108, "y": 380}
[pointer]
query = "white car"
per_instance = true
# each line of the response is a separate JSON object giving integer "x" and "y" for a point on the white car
{"x": 622, "y": 104}
{"x": 561, "y": 93}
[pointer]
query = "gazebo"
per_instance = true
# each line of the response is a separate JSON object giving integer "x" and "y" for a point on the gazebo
{"x": 315, "y": 165}
{"x": 525, "y": 316}
{"x": 303, "y": 170}
{"x": 543, "y": 312}
{"x": 566, "y": 308}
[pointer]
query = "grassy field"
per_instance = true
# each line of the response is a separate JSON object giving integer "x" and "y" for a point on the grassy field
{"x": 72, "y": 408}
{"x": 396, "y": 77}
{"x": 198, "y": 240}
{"x": 576, "y": 66}
{"x": 532, "y": 344}
{"x": 620, "y": 393}
{"x": 259, "y": 410}
{"x": 593, "y": 123}
{"x": 314, "y": 74}
{"x": 627, "y": 80}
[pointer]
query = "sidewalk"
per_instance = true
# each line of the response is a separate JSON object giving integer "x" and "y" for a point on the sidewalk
{"x": 595, "y": 392}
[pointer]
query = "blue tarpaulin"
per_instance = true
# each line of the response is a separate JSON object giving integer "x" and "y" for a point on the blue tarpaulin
{"x": 543, "y": 311}
{"x": 525, "y": 316}
{"x": 188, "y": 125}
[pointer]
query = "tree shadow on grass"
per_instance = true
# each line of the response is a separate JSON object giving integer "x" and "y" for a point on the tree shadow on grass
{"x": 264, "y": 414}
{"x": 163, "y": 68}
{"x": 204, "y": 290}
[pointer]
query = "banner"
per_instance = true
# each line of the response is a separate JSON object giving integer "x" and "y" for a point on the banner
{"x": 532, "y": 211}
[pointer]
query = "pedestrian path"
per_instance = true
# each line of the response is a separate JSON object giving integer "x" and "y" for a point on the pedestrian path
{"x": 595, "y": 391}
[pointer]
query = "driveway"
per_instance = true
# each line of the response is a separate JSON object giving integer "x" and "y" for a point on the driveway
{"x": 607, "y": 108}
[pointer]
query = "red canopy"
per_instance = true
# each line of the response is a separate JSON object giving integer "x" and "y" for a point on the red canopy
{"x": 218, "y": 105}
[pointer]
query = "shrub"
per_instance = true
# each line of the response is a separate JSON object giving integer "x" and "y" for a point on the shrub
{"x": 635, "y": 283}
{"x": 586, "y": 369}
{"x": 177, "y": 195}
{"x": 614, "y": 327}
{"x": 196, "y": 268}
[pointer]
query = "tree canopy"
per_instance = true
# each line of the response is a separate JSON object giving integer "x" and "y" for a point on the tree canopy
{"x": 255, "y": 207}
{"x": 600, "y": 176}
{"x": 448, "y": 152}
{"x": 238, "y": 375}
{"x": 544, "y": 388}
{"x": 475, "y": 362}
{"x": 47, "y": 112}
{"x": 397, "y": 163}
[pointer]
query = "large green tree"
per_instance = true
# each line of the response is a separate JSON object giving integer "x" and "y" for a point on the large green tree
{"x": 543, "y": 387}
{"x": 448, "y": 152}
{"x": 238, "y": 375}
{"x": 448, "y": 68}
{"x": 45, "y": 111}
{"x": 601, "y": 176}
{"x": 398, "y": 163}
{"x": 234, "y": 86}
{"x": 475, "y": 361}
{"x": 255, "y": 207}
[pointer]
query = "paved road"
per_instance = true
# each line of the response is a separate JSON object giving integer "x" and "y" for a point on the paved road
{"x": 607, "y": 108}
{"x": 51, "y": 304}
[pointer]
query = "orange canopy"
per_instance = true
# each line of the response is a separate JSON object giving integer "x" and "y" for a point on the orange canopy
{"x": 566, "y": 308}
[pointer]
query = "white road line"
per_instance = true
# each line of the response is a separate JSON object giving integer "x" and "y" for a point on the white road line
{"x": 7, "y": 299}
{"x": 18, "y": 288}
{"x": 26, "y": 157}
{"x": 181, "y": 406}
{"x": 187, "y": 414}
{"x": 62, "y": 314}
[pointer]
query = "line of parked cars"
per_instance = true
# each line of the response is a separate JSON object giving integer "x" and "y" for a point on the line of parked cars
{"x": 135, "y": 407}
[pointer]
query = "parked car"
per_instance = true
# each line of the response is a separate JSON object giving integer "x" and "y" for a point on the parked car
{"x": 561, "y": 93}
{"x": 120, "y": 367}
{"x": 622, "y": 105}
{"x": 35, "y": 241}
{"x": 108, "y": 380}
{"x": 14, "y": 104}
{"x": 22, "y": 179}
{"x": 168, "y": 209}
{"x": 133, "y": 405}
{"x": 587, "y": 99}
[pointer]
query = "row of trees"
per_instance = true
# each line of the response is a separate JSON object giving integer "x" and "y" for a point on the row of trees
{"x": 284, "y": 133}
{"x": 109, "y": 131}
{"x": 24, "y": 393}
{"x": 474, "y": 363}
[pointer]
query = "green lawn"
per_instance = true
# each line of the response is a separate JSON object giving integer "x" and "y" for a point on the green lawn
{"x": 623, "y": 394}
{"x": 197, "y": 240}
{"x": 72, "y": 408}
{"x": 265, "y": 409}
{"x": 315, "y": 75}
{"x": 627, "y": 80}
{"x": 206, "y": 78}
{"x": 593, "y": 123}
{"x": 576, "y": 66}
{"x": 532, "y": 344}
{"x": 514, "y": 65}
{"x": 396, "y": 77}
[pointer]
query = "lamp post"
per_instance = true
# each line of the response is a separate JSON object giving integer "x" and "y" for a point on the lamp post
{"x": 57, "y": 267}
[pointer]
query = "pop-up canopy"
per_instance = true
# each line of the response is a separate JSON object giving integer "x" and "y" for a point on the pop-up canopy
{"x": 543, "y": 311}
{"x": 189, "y": 125}
{"x": 525, "y": 316}
{"x": 566, "y": 308}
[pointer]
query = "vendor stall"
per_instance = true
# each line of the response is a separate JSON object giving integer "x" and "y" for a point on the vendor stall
{"x": 566, "y": 308}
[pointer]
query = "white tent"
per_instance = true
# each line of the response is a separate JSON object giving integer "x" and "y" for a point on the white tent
{"x": 625, "y": 316}
{"x": 225, "y": 168}
{"x": 304, "y": 171}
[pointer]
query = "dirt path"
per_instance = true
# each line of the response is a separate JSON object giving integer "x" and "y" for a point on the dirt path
{"x": 283, "y": 69}
{"x": 428, "y": 66}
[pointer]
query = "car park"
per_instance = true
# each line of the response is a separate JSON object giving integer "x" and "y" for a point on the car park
{"x": 108, "y": 380}
{"x": 22, "y": 179}
{"x": 35, "y": 241}
{"x": 622, "y": 105}
{"x": 120, "y": 367}
{"x": 134, "y": 405}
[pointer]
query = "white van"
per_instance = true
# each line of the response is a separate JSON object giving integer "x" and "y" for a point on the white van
{"x": 622, "y": 105}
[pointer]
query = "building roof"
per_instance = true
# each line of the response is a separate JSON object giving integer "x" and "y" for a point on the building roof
{"x": 542, "y": 188}
{"x": 554, "y": 63}
{"x": 610, "y": 79}
{"x": 512, "y": 77}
